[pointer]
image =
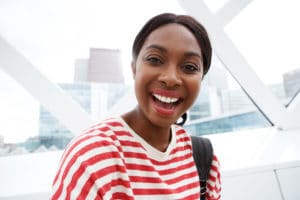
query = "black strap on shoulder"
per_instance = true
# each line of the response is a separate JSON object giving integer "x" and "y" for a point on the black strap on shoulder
{"x": 202, "y": 153}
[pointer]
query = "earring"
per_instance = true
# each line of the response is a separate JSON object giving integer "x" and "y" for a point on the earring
{"x": 182, "y": 119}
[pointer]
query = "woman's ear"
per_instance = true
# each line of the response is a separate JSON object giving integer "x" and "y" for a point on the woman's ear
{"x": 133, "y": 68}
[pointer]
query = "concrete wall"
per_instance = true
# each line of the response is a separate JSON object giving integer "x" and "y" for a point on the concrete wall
{"x": 278, "y": 182}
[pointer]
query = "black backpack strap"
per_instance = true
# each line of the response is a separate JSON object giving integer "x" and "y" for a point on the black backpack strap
{"x": 203, "y": 154}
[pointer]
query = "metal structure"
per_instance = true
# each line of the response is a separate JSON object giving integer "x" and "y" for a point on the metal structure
{"x": 281, "y": 117}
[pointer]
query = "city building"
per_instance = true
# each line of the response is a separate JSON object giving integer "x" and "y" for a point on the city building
{"x": 102, "y": 66}
{"x": 291, "y": 82}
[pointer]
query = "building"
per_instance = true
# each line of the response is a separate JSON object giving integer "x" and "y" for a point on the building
{"x": 51, "y": 131}
{"x": 291, "y": 82}
{"x": 102, "y": 66}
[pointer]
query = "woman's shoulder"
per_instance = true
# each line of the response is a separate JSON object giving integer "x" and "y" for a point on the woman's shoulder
{"x": 102, "y": 135}
{"x": 181, "y": 133}
{"x": 178, "y": 129}
{"x": 96, "y": 148}
{"x": 105, "y": 125}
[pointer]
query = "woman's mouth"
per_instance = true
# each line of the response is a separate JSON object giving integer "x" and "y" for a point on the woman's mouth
{"x": 165, "y": 99}
{"x": 165, "y": 105}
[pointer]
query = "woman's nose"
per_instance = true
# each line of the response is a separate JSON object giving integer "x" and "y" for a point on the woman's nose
{"x": 170, "y": 77}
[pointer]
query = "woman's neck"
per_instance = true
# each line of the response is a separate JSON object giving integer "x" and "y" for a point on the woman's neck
{"x": 157, "y": 136}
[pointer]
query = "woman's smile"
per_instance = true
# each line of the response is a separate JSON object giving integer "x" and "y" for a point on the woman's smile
{"x": 165, "y": 102}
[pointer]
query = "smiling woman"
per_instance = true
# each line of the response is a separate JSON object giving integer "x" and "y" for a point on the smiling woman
{"x": 142, "y": 154}
{"x": 160, "y": 69}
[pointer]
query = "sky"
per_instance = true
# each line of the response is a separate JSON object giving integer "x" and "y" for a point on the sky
{"x": 267, "y": 34}
{"x": 52, "y": 34}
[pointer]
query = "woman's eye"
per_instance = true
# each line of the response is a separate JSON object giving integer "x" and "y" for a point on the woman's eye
{"x": 154, "y": 61}
{"x": 190, "y": 68}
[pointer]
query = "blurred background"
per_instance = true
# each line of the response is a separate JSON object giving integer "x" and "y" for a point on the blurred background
{"x": 65, "y": 65}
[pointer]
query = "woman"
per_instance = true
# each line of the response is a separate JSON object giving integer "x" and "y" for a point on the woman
{"x": 143, "y": 154}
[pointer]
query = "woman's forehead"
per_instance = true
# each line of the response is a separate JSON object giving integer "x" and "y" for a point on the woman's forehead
{"x": 172, "y": 36}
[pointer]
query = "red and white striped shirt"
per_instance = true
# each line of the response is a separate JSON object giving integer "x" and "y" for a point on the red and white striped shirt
{"x": 111, "y": 161}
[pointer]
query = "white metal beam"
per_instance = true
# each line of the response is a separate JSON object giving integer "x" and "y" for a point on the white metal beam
{"x": 230, "y": 10}
{"x": 52, "y": 97}
{"x": 239, "y": 68}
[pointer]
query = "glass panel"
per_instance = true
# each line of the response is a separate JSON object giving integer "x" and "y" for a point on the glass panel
{"x": 96, "y": 99}
{"x": 64, "y": 55}
{"x": 222, "y": 105}
{"x": 53, "y": 134}
{"x": 19, "y": 116}
{"x": 63, "y": 47}
{"x": 270, "y": 42}
{"x": 27, "y": 127}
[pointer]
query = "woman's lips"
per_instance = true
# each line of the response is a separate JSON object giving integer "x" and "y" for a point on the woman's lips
{"x": 165, "y": 102}
{"x": 166, "y": 93}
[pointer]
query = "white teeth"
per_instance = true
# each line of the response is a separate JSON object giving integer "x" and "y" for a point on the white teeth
{"x": 165, "y": 99}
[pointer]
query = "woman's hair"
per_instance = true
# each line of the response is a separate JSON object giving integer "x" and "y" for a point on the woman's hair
{"x": 187, "y": 21}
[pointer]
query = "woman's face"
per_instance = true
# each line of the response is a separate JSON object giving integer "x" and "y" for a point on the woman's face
{"x": 167, "y": 73}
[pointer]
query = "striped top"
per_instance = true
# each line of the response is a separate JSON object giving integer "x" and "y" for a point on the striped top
{"x": 111, "y": 161}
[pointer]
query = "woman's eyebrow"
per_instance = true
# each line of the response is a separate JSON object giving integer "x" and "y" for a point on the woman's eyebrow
{"x": 191, "y": 53}
{"x": 155, "y": 46}
{"x": 162, "y": 49}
